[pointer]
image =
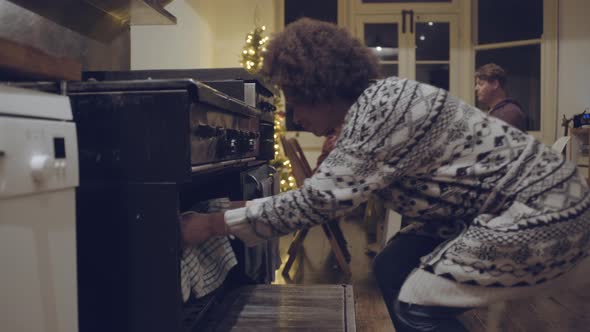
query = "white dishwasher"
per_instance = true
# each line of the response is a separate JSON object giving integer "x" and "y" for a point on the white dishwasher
{"x": 38, "y": 179}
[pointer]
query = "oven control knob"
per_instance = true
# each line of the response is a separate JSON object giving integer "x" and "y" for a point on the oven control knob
{"x": 41, "y": 167}
{"x": 251, "y": 144}
{"x": 232, "y": 146}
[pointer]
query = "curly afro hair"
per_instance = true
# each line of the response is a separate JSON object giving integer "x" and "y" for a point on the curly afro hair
{"x": 314, "y": 61}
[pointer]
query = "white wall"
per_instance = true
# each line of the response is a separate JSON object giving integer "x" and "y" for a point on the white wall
{"x": 574, "y": 58}
{"x": 209, "y": 34}
{"x": 184, "y": 45}
{"x": 233, "y": 20}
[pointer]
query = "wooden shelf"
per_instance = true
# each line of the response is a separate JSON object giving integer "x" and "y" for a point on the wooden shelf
{"x": 19, "y": 62}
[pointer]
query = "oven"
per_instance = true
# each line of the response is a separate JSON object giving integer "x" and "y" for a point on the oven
{"x": 148, "y": 150}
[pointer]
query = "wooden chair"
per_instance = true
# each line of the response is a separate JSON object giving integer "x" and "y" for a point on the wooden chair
{"x": 301, "y": 171}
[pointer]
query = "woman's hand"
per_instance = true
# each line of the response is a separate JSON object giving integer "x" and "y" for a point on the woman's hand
{"x": 199, "y": 227}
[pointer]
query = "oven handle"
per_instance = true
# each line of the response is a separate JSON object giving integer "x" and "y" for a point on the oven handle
{"x": 208, "y": 167}
{"x": 258, "y": 184}
{"x": 275, "y": 178}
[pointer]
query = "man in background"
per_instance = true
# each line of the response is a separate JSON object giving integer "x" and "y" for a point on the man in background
{"x": 490, "y": 86}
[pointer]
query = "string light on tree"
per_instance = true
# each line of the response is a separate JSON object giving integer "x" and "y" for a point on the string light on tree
{"x": 252, "y": 54}
{"x": 281, "y": 163}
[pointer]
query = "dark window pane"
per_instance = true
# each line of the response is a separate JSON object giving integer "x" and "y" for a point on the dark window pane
{"x": 433, "y": 74}
{"x": 432, "y": 41}
{"x": 382, "y": 38}
{"x": 402, "y": 1}
{"x": 523, "y": 68}
{"x": 387, "y": 70}
{"x": 324, "y": 10}
{"x": 509, "y": 20}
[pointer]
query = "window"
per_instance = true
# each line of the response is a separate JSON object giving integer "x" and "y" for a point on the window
{"x": 523, "y": 67}
{"x": 432, "y": 40}
{"x": 508, "y": 20}
{"x": 323, "y": 10}
{"x": 414, "y": 45}
{"x": 403, "y": 1}
{"x": 509, "y": 34}
{"x": 383, "y": 40}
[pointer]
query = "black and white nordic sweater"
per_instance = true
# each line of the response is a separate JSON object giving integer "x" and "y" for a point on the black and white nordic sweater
{"x": 515, "y": 213}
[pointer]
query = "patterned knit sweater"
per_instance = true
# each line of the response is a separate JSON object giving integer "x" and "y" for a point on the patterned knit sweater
{"x": 514, "y": 212}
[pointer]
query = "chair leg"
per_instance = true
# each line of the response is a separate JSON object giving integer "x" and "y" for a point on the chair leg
{"x": 294, "y": 249}
{"x": 337, "y": 251}
{"x": 339, "y": 235}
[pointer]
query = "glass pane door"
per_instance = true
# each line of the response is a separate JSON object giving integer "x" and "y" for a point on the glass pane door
{"x": 432, "y": 54}
{"x": 383, "y": 35}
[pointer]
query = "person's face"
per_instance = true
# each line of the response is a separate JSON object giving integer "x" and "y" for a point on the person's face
{"x": 321, "y": 119}
{"x": 485, "y": 90}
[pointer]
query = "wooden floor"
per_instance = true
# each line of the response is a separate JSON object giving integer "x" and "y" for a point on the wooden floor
{"x": 566, "y": 312}
{"x": 317, "y": 266}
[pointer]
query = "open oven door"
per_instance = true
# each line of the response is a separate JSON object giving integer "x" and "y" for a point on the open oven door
{"x": 261, "y": 261}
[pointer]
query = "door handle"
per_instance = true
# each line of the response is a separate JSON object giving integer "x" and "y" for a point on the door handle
{"x": 411, "y": 12}
{"x": 404, "y": 20}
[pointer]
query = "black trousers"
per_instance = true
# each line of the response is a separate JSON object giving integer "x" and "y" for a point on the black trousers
{"x": 392, "y": 267}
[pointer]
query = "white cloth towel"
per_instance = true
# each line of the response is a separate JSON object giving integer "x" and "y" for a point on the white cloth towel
{"x": 203, "y": 267}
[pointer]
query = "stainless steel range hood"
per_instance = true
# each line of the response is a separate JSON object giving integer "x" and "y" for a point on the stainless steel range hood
{"x": 136, "y": 12}
{"x": 101, "y": 19}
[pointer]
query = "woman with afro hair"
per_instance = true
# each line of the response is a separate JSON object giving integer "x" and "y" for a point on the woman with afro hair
{"x": 498, "y": 215}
